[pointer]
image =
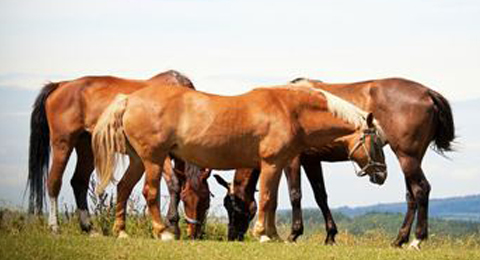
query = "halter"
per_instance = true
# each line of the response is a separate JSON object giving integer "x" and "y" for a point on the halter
{"x": 361, "y": 144}
{"x": 193, "y": 221}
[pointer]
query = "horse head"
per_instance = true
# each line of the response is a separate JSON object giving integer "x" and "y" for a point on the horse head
{"x": 365, "y": 148}
{"x": 195, "y": 195}
{"x": 239, "y": 203}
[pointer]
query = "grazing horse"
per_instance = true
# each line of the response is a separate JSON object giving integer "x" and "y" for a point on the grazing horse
{"x": 240, "y": 201}
{"x": 64, "y": 114}
{"x": 264, "y": 128}
{"x": 412, "y": 116}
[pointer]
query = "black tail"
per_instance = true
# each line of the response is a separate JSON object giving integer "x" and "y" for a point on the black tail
{"x": 39, "y": 150}
{"x": 445, "y": 131}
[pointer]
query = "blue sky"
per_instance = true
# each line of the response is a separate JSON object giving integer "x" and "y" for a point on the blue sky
{"x": 229, "y": 47}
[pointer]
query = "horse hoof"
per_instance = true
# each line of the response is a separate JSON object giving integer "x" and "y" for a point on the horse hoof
{"x": 264, "y": 239}
{"x": 415, "y": 245}
{"x": 122, "y": 234}
{"x": 55, "y": 230}
{"x": 166, "y": 236}
{"x": 95, "y": 234}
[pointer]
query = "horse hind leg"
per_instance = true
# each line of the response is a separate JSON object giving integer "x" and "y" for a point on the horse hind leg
{"x": 81, "y": 178}
{"x": 292, "y": 172}
{"x": 173, "y": 185}
{"x": 404, "y": 232}
{"x": 153, "y": 170}
{"x": 61, "y": 153}
{"x": 418, "y": 197}
{"x": 131, "y": 177}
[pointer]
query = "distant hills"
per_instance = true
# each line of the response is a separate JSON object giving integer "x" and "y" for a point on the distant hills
{"x": 455, "y": 217}
{"x": 455, "y": 208}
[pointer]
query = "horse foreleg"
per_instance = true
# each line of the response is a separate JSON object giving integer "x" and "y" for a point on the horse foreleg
{"x": 313, "y": 170}
{"x": 265, "y": 228}
{"x": 153, "y": 170}
{"x": 131, "y": 177}
{"x": 173, "y": 185}
{"x": 81, "y": 178}
{"x": 292, "y": 172}
{"x": 61, "y": 153}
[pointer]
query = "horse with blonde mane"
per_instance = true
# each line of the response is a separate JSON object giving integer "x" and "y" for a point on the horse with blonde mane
{"x": 264, "y": 129}
{"x": 412, "y": 117}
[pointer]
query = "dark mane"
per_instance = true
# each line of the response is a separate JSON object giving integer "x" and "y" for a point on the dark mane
{"x": 179, "y": 78}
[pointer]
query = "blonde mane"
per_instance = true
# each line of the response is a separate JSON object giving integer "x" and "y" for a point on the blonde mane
{"x": 339, "y": 107}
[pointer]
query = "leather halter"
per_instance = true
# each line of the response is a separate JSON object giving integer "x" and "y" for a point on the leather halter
{"x": 361, "y": 144}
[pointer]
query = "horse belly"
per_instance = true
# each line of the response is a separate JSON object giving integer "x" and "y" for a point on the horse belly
{"x": 220, "y": 155}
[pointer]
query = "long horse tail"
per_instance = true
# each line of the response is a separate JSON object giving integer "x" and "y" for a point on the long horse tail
{"x": 445, "y": 127}
{"x": 108, "y": 140}
{"x": 39, "y": 150}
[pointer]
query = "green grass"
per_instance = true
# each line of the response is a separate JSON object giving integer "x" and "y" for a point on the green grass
{"x": 24, "y": 237}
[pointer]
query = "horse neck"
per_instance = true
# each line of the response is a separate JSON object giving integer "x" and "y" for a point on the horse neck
{"x": 357, "y": 93}
{"x": 245, "y": 182}
{"x": 319, "y": 125}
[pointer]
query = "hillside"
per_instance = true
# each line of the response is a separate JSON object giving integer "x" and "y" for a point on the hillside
{"x": 455, "y": 208}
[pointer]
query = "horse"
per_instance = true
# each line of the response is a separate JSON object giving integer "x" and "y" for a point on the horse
{"x": 264, "y": 128}
{"x": 412, "y": 117}
{"x": 240, "y": 200}
{"x": 64, "y": 115}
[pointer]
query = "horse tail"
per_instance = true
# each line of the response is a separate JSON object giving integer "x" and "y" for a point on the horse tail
{"x": 39, "y": 150}
{"x": 108, "y": 139}
{"x": 445, "y": 128}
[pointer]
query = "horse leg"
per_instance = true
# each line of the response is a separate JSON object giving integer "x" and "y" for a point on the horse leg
{"x": 173, "y": 184}
{"x": 153, "y": 170}
{"x": 124, "y": 189}
{"x": 61, "y": 153}
{"x": 265, "y": 226}
{"x": 404, "y": 233}
{"x": 292, "y": 172}
{"x": 81, "y": 178}
{"x": 418, "y": 191}
{"x": 313, "y": 170}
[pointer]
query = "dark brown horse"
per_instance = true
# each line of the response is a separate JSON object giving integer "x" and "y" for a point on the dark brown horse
{"x": 264, "y": 128}
{"x": 412, "y": 116}
{"x": 63, "y": 116}
{"x": 240, "y": 201}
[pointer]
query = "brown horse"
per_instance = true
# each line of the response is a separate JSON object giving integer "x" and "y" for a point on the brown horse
{"x": 64, "y": 114}
{"x": 264, "y": 128}
{"x": 240, "y": 200}
{"x": 412, "y": 116}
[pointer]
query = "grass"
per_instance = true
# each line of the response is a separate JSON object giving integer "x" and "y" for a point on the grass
{"x": 25, "y": 237}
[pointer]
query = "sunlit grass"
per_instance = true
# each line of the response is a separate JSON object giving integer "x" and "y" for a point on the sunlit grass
{"x": 26, "y": 237}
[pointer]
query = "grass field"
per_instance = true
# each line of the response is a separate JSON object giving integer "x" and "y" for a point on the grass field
{"x": 23, "y": 237}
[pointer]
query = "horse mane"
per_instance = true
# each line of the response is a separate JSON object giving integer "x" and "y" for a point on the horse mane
{"x": 339, "y": 107}
{"x": 193, "y": 173}
{"x": 179, "y": 77}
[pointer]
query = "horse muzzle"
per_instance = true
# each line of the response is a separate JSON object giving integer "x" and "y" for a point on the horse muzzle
{"x": 378, "y": 177}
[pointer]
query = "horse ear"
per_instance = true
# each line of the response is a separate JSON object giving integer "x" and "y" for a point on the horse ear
{"x": 221, "y": 181}
{"x": 206, "y": 173}
{"x": 370, "y": 120}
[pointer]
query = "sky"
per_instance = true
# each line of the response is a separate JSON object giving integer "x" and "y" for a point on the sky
{"x": 229, "y": 47}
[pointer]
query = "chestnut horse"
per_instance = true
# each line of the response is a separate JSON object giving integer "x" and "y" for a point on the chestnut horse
{"x": 64, "y": 114}
{"x": 411, "y": 115}
{"x": 264, "y": 128}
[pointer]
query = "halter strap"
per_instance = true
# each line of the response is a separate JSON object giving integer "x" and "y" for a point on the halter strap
{"x": 361, "y": 143}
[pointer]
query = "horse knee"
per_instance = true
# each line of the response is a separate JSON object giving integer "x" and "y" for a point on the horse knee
{"x": 145, "y": 192}
{"x": 295, "y": 197}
